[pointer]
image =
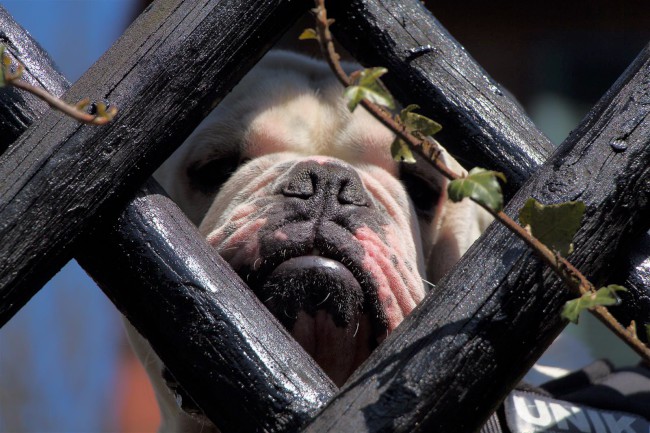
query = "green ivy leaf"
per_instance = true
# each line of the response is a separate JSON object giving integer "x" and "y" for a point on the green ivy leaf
{"x": 401, "y": 152}
{"x": 602, "y": 297}
{"x": 481, "y": 185}
{"x": 408, "y": 109}
{"x": 554, "y": 225}
{"x": 308, "y": 34}
{"x": 366, "y": 85}
{"x": 417, "y": 123}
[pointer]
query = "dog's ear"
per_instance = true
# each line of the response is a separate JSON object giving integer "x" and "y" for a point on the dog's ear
{"x": 455, "y": 228}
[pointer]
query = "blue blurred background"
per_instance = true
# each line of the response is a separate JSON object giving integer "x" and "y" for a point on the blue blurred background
{"x": 59, "y": 355}
{"x": 64, "y": 366}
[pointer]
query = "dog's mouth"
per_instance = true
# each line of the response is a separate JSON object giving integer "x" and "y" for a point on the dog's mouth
{"x": 311, "y": 283}
{"x": 328, "y": 303}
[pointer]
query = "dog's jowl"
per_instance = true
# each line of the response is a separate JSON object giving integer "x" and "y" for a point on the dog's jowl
{"x": 304, "y": 200}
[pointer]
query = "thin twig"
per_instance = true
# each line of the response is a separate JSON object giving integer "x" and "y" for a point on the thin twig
{"x": 64, "y": 107}
{"x": 103, "y": 116}
{"x": 562, "y": 267}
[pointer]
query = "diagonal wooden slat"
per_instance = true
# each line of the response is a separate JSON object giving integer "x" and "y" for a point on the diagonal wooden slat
{"x": 39, "y": 71}
{"x": 172, "y": 65}
{"x": 236, "y": 361}
{"x": 482, "y": 124}
{"x": 452, "y": 361}
{"x": 222, "y": 345}
{"x": 428, "y": 67}
{"x": 634, "y": 270}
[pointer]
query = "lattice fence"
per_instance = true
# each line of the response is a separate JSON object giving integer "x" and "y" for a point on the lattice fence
{"x": 68, "y": 188}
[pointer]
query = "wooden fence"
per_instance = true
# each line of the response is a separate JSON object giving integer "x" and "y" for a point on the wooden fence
{"x": 76, "y": 191}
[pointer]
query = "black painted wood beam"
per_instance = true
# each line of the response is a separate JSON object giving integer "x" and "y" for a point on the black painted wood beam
{"x": 240, "y": 366}
{"x": 453, "y": 360}
{"x": 482, "y": 124}
{"x": 166, "y": 73}
{"x": 39, "y": 71}
{"x": 228, "y": 352}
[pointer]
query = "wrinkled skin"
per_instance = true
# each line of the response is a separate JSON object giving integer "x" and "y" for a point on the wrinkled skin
{"x": 304, "y": 201}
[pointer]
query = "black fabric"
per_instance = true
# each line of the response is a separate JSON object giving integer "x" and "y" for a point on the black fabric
{"x": 493, "y": 425}
{"x": 528, "y": 412}
{"x": 580, "y": 379}
{"x": 600, "y": 386}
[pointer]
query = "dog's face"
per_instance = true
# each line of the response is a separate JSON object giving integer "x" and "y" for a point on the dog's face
{"x": 304, "y": 201}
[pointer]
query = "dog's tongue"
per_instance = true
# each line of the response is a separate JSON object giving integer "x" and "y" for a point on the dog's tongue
{"x": 339, "y": 351}
{"x": 328, "y": 322}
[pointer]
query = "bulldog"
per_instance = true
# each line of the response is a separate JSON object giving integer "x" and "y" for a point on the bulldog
{"x": 303, "y": 199}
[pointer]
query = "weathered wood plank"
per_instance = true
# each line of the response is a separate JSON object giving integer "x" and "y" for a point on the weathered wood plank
{"x": 238, "y": 363}
{"x": 481, "y": 123}
{"x": 165, "y": 74}
{"x": 221, "y": 344}
{"x": 456, "y": 356}
{"x": 39, "y": 71}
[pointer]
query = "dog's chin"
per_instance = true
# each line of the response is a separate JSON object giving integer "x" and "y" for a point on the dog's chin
{"x": 322, "y": 304}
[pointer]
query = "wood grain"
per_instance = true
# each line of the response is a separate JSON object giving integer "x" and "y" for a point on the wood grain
{"x": 453, "y": 360}
{"x": 238, "y": 364}
{"x": 167, "y": 71}
{"x": 39, "y": 71}
{"x": 482, "y": 124}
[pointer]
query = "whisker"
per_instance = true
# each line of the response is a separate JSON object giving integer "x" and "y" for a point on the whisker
{"x": 356, "y": 330}
{"x": 323, "y": 301}
{"x": 433, "y": 286}
{"x": 234, "y": 247}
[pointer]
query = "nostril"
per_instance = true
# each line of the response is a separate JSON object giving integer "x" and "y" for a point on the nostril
{"x": 301, "y": 185}
{"x": 352, "y": 192}
{"x": 336, "y": 184}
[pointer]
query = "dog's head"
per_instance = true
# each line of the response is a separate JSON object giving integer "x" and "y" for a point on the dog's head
{"x": 304, "y": 201}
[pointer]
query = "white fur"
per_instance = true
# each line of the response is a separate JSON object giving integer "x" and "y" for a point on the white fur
{"x": 290, "y": 108}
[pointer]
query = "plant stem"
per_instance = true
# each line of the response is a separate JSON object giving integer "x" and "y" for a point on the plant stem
{"x": 62, "y": 106}
{"x": 562, "y": 267}
{"x": 14, "y": 79}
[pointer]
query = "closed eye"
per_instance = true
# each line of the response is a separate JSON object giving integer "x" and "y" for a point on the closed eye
{"x": 208, "y": 177}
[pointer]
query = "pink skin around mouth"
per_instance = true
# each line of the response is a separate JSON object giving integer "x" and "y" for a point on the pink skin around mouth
{"x": 339, "y": 351}
{"x": 398, "y": 289}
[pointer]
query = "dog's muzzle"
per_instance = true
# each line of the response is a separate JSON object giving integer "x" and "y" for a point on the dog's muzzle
{"x": 312, "y": 240}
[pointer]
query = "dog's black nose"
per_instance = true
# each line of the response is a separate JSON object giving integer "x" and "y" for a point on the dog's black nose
{"x": 328, "y": 181}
